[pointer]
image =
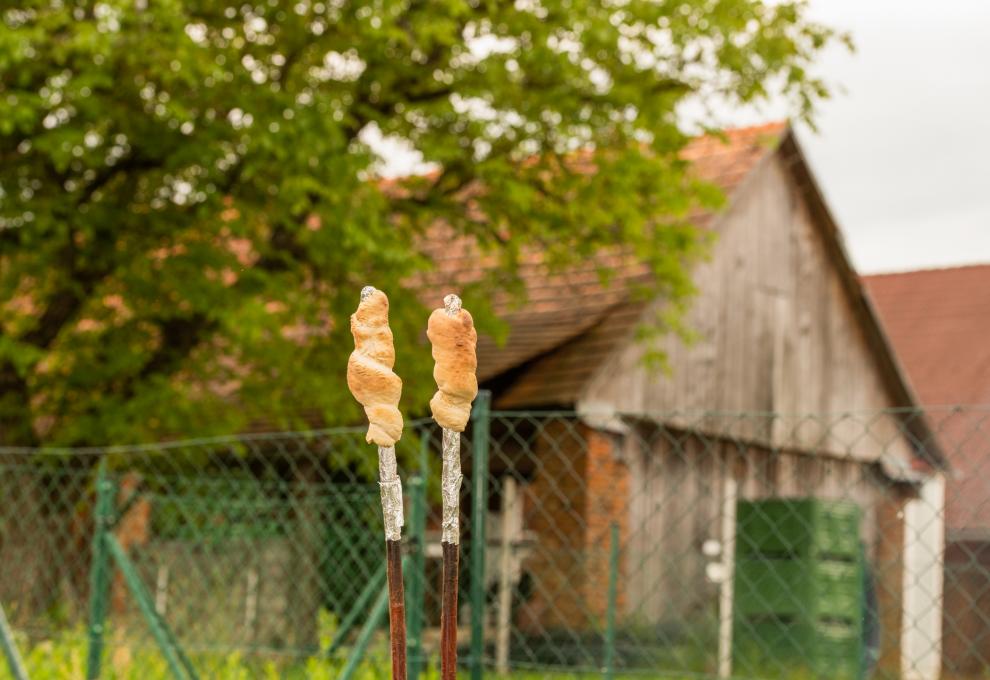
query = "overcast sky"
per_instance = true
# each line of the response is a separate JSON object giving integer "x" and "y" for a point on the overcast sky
{"x": 904, "y": 155}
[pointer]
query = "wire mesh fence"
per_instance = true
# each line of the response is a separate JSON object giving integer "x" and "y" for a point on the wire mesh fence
{"x": 670, "y": 546}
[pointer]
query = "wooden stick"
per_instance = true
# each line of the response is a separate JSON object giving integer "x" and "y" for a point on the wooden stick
{"x": 396, "y": 609}
{"x": 451, "y": 487}
{"x": 391, "y": 488}
{"x": 505, "y": 562}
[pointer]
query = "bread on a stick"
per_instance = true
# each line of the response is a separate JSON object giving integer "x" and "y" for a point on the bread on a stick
{"x": 455, "y": 342}
{"x": 369, "y": 369}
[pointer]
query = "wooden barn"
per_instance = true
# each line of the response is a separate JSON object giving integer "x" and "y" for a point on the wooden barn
{"x": 784, "y": 333}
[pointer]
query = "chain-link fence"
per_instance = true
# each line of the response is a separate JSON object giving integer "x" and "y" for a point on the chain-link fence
{"x": 680, "y": 545}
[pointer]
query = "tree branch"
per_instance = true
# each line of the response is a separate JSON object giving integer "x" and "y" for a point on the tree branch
{"x": 179, "y": 337}
{"x": 15, "y": 408}
{"x": 128, "y": 165}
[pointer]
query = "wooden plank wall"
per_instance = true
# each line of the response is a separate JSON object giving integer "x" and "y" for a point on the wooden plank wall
{"x": 775, "y": 332}
{"x": 675, "y": 504}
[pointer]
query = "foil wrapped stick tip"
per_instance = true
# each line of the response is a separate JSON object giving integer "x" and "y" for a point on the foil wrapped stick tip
{"x": 451, "y": 304}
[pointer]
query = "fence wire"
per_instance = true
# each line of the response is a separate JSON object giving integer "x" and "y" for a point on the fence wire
{"x": 673, "y": 546}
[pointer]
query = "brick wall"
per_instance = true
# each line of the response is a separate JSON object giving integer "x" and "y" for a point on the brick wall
{"x": 579, "y": 488}
{"x": 554, "y": 503}
{"x": 966, "y": 612}
{"x": 608, "y": 502}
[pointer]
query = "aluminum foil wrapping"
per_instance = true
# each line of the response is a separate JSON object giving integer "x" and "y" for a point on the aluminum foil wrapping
{"x": 450, "y": 479}
{"x": 450, "y": 486}
{"x": 391, "y": 487}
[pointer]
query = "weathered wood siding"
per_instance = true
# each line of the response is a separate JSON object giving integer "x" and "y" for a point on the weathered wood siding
{"x": 678, "y": 485}
{"x": 776, "y": 333}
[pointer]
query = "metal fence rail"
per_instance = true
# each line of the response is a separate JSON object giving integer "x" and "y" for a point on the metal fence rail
{"x": 679, "y": 545}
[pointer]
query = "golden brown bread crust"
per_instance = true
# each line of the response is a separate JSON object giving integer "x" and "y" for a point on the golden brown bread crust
{"x": 369, "y": 370}
{"x": 455, "y": 344}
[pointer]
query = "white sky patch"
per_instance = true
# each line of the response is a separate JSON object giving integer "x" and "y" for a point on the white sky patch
{"x": 397, "y": 156}
{"x": 197, "y": 33}
{"x": 345, "y": 67}
{"x": 902, "y": 156}
{"x": 482, "y": 43}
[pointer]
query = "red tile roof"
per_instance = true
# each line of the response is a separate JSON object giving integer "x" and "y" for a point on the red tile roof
{"x": 938, "y": 321}
{"x": 564, "y": 308}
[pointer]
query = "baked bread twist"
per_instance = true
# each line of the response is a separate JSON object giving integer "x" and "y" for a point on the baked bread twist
{"x": 369, "y": 368}
{"x": 455, "y": 341}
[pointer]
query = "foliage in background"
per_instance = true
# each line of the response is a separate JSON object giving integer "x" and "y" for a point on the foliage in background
{"x": 187, "y": 204}
{"x": 65, "y": 657}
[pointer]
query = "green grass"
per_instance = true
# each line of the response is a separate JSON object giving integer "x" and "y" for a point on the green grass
{"x": 64, "y": 658}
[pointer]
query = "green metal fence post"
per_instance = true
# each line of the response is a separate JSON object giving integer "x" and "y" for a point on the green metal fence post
{"x": 374, "y": 620}
{"x": 416, "y": 590}
{"x": 177, "y": 662}
{"x": 613, "y": 593}
{"x": 14, "y": 661}
{"x": 479, "y": 507}
{"x": 99, "y": 571}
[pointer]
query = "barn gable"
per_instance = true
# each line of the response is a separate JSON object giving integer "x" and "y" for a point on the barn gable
{"x": 781, "y": 321}
{"x": 572, "y": 324}
{"x": 782, "y": 326}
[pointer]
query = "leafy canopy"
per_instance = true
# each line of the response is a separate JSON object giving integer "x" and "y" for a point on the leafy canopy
{"x": 188, "y": 202}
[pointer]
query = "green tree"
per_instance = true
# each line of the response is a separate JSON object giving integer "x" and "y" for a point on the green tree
{"x": 188, "y": 202}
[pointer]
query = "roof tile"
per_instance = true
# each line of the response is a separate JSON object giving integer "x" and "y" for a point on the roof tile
{"x": 939, "y": 323}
